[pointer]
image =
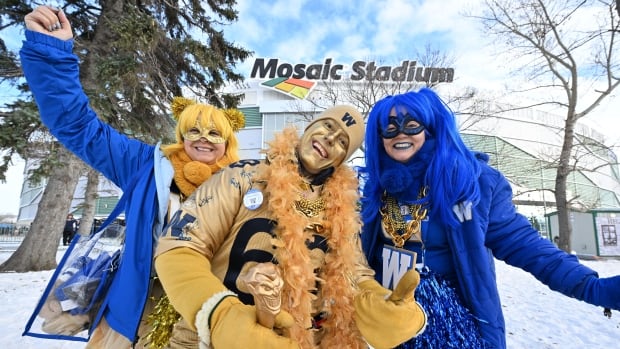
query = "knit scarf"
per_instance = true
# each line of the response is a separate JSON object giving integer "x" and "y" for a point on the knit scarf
{"x": 189, "y": 174}
{"x": 342, "y": 224}
{"x": 403, "y": 181}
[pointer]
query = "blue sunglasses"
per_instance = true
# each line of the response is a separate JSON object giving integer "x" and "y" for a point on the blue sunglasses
{"x": 401, "y": 127}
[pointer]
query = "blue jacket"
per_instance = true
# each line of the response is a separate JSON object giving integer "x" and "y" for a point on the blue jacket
{"x": 497, "y": 230}
{"x": 52, "y": 72}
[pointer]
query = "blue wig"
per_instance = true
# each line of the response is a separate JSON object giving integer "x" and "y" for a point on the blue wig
{"x": 451, "y": 171}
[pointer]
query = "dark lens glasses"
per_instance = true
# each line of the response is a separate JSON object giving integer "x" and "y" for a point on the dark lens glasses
{"x": 401, "y": 127}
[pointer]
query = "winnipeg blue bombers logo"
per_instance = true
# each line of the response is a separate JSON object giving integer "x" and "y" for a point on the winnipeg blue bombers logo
{"x": 348, "y": 120}
{"x": 178, "y": 225}
{"x": 395, "y": 263}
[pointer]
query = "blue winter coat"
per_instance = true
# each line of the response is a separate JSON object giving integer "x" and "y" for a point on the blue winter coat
{"x": 498, "y": 230}
{"x": 52, "y": 72}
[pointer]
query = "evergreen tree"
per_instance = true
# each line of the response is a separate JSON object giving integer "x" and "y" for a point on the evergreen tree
{"x": 135, "y": 57}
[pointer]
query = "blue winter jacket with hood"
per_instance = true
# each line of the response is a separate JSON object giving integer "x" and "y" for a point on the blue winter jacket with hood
{"x": 52, "y": 72}
{"x": 497, "y": 230}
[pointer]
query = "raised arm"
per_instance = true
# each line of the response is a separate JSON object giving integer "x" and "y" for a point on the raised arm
{"x": 49, "y": 21}
{"x": 52, "y": 72}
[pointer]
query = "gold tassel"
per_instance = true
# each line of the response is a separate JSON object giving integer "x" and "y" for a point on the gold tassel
{"x": 161, "y": 320}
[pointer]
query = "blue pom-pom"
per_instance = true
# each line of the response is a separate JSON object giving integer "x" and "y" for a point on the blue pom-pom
{"x": 450, "y": 324}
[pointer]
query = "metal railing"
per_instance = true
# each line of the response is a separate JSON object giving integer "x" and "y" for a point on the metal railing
{"x": 13, "y": 233}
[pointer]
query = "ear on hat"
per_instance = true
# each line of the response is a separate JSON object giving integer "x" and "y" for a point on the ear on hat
{"x": 236, "y": 118}
{"x": 178, "y": 105}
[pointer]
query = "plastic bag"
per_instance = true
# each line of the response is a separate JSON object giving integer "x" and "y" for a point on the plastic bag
{"x": 73, "y": 297}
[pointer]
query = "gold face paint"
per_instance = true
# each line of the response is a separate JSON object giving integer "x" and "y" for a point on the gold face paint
{"x": 212, "y": 135}
{"x": 324, "y": 144}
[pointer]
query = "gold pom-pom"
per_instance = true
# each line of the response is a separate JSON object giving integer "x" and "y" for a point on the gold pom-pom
{"x": 236, "y": 118}
{"x": 178, "y": 105}
{"x": 162, "y": 320}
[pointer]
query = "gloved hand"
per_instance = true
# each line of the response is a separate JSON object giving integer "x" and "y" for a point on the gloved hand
{"x": 233, "y": 324}
{"x": 387, "y": 321}
{"x": 221, "y": 320}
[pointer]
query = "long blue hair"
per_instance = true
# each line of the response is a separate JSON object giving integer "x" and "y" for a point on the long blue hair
{"x": 452, "y": 170}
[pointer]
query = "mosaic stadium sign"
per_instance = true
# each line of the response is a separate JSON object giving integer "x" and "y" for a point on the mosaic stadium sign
{"x": 297, "y": 80}
{"x": 407, "y": 71}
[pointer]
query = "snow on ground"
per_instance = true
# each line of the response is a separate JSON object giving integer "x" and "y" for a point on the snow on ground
{"x": 536, "y": 317}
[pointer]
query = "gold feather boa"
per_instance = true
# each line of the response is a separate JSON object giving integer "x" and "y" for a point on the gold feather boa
{"x": 342, "y": 224}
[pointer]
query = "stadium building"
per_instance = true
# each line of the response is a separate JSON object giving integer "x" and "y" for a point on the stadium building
{"x": 522, "y": 143}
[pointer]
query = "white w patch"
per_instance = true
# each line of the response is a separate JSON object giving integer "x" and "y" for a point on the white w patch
{"x": 463, "y": 211}
{"x": 395, "y": 263}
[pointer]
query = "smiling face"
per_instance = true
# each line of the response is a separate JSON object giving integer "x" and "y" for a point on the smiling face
{"x": 324, "y": 144}
{"x": 204, "y": 143}
{"x": 403, "y": 147}
{"x": 204, "y": 151}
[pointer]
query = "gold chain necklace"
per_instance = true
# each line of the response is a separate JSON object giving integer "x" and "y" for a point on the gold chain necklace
{"x": 309, "y": 207}
{"x": 394, "y": 223}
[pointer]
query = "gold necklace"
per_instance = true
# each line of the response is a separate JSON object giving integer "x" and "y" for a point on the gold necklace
{"x": 394, "y": 223}
{"x": 309, "y": 207}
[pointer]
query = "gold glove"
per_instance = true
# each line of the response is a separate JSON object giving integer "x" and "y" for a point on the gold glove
{"x": 388, "y": 322}
{"x": 220, "y": 319}
{"x": 233, "y": 324}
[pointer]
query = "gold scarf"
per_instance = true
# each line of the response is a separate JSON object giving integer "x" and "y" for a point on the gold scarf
{"x": 341, "y": 223}
{"x": 189, "y": 174}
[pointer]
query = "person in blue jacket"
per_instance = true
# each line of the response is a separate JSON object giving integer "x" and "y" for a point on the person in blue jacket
{"x": 205, "y": 143}
{"x": 428, "y": 199}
